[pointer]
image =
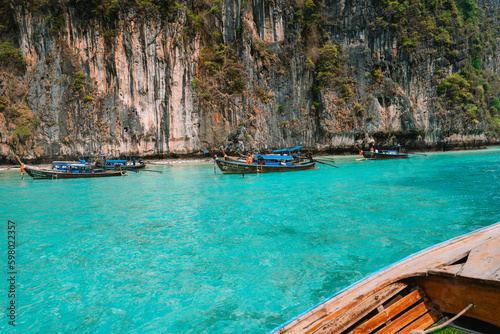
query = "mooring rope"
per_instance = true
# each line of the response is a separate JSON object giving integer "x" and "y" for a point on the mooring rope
{"x": 417, "y": 331}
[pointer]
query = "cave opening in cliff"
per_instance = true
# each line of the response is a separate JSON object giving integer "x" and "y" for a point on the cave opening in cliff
{"x": 385, "y": 101}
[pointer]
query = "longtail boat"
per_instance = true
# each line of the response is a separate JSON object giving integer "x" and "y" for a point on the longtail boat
{"x": 455, "y": 283}
{"x": 262, "y": 163}
{"x": 393, "y": 153}
{"x": 67, "y": 170}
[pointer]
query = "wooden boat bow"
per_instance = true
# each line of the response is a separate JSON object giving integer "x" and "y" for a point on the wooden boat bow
{"x": 451, "y": 275}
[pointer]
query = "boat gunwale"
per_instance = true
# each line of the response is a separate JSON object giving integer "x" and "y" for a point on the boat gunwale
{"x": 387, "y": 156}
{"x": 380, "y": 272}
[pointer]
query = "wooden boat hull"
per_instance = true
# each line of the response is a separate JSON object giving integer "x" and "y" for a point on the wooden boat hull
{"x": 41, "y": 173}
{"x": 416, "y": 292}
{"x": 383, "y": 156}
{"x": 136, "y": 167}
{"x": 127, "y": 167}
{"x": 233, "y": 167}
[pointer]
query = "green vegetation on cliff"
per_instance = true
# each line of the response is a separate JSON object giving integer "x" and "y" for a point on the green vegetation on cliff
{"x": 449, "y": 26}
{"x": 220, "y": 72}
{"x": 17, "y": 123}
{"x": 443, "y": 23}
{"x": 17, "y": 118}
{"x": 473, "y": 92}
{"x": 458, "y": 32}
{"x": 11, "y": 57}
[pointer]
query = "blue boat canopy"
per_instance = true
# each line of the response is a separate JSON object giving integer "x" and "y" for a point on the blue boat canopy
{"x": 288, "y": 150}
{"x": 116, "y": 161}
{"x": 272, "y": 157}
{"x": 84, "y": 159}
{"x": 296, "y": 148}
{"x": 70, "y": 164}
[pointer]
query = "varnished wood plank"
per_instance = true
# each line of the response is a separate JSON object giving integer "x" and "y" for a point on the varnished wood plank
{"x": 393, "y": 300}
{"x": 389, "y": 312}
{"x": 425, "y": 321}
{"x": 355, "y": 312}
{"x": 406, "y": 318}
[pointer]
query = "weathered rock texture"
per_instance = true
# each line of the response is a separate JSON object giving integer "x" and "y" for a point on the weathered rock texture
{"x": 136, "y": 95}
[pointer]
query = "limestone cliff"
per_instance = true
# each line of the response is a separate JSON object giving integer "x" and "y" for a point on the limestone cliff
{"x": 157, "y": 78}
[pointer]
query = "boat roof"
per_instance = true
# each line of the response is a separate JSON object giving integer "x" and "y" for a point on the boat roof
{"x": 63, "y": 163}
{"x": 273, "y": 157}
{"x": 70, "y": 164}
{"x": 288, "y": 149}
{"x": 84, "y": 159}
{"x": 116, "y": 161}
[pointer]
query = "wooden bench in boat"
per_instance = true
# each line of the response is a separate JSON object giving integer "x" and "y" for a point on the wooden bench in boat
{"x": 396, "y": 308}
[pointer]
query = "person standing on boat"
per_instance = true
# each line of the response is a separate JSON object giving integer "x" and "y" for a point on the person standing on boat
{"x": 133, "y": 161}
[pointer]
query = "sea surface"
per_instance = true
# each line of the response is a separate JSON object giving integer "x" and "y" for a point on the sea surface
{"x": 190, "y": 251}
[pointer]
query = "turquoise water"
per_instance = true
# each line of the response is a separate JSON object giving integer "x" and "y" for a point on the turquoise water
{"x": 188, "y": 251}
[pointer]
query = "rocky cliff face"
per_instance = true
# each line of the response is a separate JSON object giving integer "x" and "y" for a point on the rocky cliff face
{"x": 245, "y": 74}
